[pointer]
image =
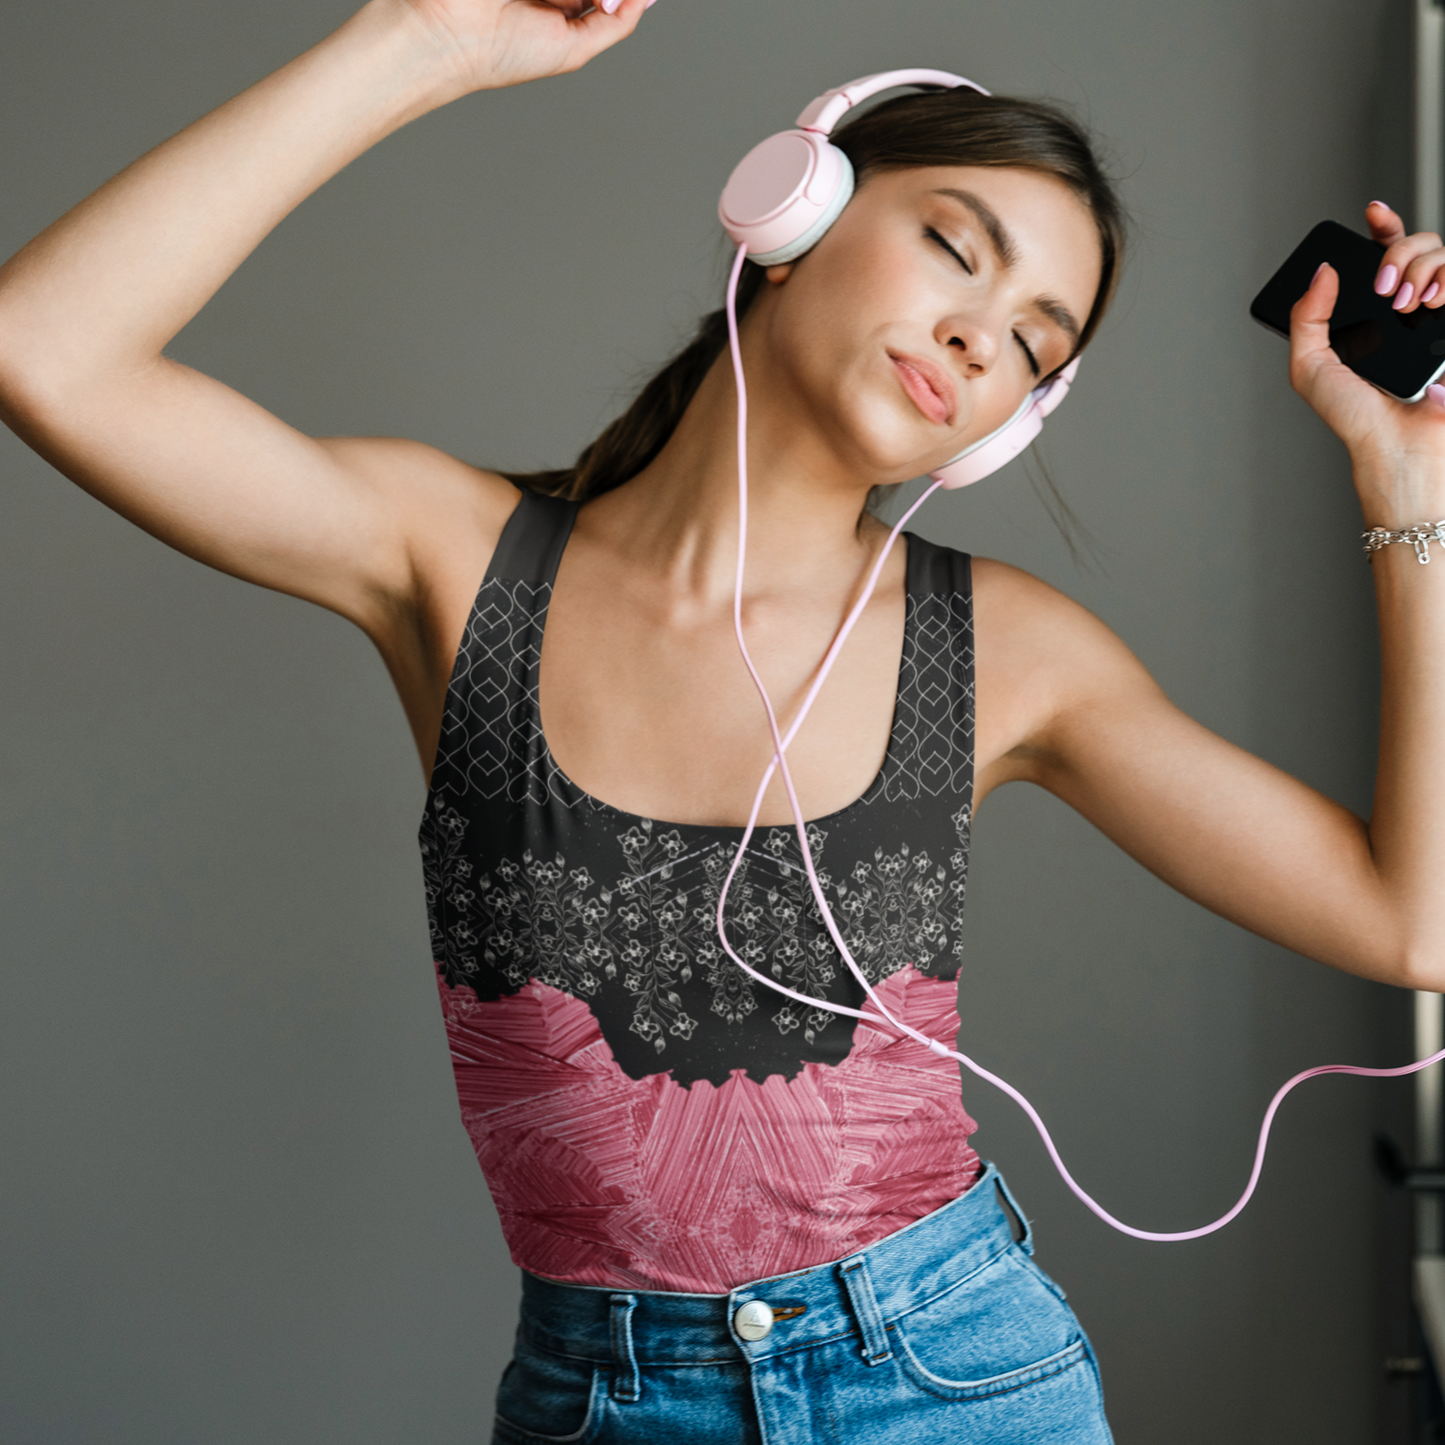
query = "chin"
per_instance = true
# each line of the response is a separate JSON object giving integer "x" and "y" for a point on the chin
{"x": 882, "y": 445}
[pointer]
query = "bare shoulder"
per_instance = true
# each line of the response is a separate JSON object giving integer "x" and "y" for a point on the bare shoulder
{"x": 1016, "y": 612}
{"x": 1041, "y": 658}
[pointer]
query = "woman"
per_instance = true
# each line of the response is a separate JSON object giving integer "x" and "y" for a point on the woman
{"x": 739, "y": 1218}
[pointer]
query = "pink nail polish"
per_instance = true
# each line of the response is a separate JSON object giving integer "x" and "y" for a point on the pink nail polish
{"x": 1384, "y": 282}
{"x": 1380, "y": 204}
{"x": 1403, "y": 298}
{"x": 1436, "y": 394}
{"x": 1431, "y": 292}
{"x": 609, "y": 7}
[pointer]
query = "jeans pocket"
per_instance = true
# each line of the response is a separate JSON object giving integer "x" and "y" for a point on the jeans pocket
{"x": 1004, "y": 1327}
{"x": 548, "y": 1398}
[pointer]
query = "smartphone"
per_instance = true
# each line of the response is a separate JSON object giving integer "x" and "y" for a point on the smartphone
{"x": 1401, "y": 355}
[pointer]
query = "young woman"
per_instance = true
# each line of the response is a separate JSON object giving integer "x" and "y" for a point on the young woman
{"x": 739, "y": 1217}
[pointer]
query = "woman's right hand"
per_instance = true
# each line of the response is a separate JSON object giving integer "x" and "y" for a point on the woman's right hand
{"x": 494, "y": 43}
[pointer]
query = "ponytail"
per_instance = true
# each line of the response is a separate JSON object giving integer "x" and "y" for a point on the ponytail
{"x": 632, "y": 441}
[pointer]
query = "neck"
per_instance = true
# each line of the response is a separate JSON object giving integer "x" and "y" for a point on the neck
{"x": 678, "y": 518}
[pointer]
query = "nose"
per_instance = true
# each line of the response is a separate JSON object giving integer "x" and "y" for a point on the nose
{"x": 973, "y": 342}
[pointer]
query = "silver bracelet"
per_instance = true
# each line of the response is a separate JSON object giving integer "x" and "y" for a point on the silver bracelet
{"x": 1419, "y": 536}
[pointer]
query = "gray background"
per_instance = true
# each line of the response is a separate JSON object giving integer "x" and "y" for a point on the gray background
{"x": 237, "y": 1203}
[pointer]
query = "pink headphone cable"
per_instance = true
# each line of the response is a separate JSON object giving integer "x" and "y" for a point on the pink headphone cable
{"x": 779, "y": 762}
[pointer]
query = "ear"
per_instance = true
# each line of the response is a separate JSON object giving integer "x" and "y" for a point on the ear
{"x": 778, "y": 274}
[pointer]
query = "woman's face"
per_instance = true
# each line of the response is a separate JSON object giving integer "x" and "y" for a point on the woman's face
{"x": 937, "y": 301}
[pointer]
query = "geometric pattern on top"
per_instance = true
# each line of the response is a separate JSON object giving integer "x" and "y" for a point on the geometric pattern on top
{"x": 529, "y": 879}
{"x": 492, "y": 743}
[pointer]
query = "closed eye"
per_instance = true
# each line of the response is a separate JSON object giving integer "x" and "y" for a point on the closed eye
{"x": 1033, "y": 360}
{"x": 938, "y": 240}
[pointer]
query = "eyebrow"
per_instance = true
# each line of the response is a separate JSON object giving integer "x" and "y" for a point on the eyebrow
{"x": 1007, "y": 251}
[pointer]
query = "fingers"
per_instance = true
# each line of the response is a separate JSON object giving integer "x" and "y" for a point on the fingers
{"x": 601, "y": 27}
{"x": 615, "y": 7}
{"x": 1413, "y": 267}
{"x": 1309, "y": 325}
{"x": 1385, "y": 226}
{"x": 576, "y": 9}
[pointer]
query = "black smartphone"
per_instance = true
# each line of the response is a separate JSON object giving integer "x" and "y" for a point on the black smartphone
{"x": 1401, "y": 355}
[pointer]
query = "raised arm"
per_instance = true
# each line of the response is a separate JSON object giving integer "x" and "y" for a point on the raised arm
{"x": 87, "y": 308}
{"x": 1224, "y": 827}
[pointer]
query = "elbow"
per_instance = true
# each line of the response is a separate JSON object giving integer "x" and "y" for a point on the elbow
{"x": 1421, "y": 966}
{"x": 11, "y": 367}
{"x": 40, "y": 386}
{"x": 23, "y": 373}
{"x": 53, "y": 362}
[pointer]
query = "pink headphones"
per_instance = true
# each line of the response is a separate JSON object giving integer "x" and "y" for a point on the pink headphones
{"x": 785, "y": 193}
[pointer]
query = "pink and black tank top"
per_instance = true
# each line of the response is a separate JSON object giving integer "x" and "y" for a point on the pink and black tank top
{"x": 646, "y": 1115}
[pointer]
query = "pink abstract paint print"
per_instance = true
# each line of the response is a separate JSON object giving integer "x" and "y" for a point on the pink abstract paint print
{"x": 602, "y": 1179}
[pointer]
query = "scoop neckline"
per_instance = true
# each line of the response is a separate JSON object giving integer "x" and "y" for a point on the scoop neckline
{"x": 554, "y": 769}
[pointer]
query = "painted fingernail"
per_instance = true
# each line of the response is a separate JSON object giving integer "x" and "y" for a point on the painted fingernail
{"x": 1380, "y": 204}
{"x": 1402, "y": 299}
{"x": 1431, "y": 292}
{"x": 609, "y": 7}
{"x": 1436, "y": 394}
{"x": 1384, "y": 282}
{"x": 1318, "y": 270}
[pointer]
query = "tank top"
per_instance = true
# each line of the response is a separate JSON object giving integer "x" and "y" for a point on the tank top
{"x": 646, "y": 1115}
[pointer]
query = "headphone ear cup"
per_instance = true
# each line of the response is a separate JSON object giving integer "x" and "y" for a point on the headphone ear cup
{"x": 993, "y": 452}
{"x": 1058, "y": 388}
{"x": 784, "y": 194}
{"x": 985, "y": 457}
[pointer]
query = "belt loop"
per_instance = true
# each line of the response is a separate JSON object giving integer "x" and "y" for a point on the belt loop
{"x": 1026, "y": 1242}
{"x": 626, "y": 1383}
{"x": 859, "y": 1284}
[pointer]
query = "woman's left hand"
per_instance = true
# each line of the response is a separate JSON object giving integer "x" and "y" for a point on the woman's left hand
{"x": 1398, "y": 448}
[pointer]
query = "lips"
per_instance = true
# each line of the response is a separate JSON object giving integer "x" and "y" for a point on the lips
{"x": 929, "y": 387}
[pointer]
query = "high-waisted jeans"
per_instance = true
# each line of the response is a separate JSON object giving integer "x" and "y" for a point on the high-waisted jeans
{"x": 944, "y": 1331}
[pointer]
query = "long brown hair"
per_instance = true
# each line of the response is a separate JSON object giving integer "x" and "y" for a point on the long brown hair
{"x": 935, "y": 128}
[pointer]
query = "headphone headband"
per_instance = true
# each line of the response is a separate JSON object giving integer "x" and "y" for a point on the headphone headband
{"x": 824, "y": 113}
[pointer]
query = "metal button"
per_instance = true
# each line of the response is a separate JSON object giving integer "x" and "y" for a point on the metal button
{"x": 754, "y": 1320}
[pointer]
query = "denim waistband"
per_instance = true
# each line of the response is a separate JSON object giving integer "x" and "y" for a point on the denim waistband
{"x": 854, "y": 1295}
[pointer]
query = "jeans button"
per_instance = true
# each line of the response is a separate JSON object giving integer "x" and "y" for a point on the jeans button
{"x": 754, "y": 1320}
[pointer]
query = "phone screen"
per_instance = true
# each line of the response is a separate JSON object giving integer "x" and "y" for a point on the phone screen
{"x": 1400, "y": 354}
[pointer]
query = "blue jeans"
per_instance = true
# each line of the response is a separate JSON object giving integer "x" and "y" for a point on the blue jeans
{"x": 944, "y": 1331}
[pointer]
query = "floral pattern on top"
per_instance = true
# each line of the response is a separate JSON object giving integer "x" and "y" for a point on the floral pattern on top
{"x": 651, "y": 930}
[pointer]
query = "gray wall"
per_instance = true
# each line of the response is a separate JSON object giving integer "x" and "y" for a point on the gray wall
{"x": 236, "y": 1200}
